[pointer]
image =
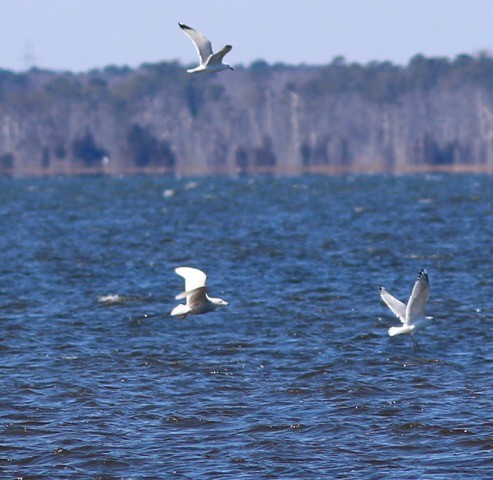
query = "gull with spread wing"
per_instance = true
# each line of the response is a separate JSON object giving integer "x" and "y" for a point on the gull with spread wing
{"x": 209, "y": 62}
{"x": 411, "y": 315}
{"x": 197, "y": 300}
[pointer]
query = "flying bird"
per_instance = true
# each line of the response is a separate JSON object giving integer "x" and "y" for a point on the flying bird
{"x": 209, "y": 62}
{"x": 411, "y": 315}
{"x": 197, "y": 300}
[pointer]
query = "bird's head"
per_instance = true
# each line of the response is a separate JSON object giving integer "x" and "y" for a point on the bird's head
{"x": 218, "y": 301}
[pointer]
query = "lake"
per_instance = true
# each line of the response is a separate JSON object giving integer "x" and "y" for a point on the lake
{"x": 295, "y": 378}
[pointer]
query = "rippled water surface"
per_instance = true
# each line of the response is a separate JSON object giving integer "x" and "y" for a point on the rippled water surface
{"x": 296, "y": 378}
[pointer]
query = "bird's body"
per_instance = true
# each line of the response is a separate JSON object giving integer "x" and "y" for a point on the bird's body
{"x": 209, "y": 61}
{"x": 411, "y": 315}
{"x": 197, "y": 300}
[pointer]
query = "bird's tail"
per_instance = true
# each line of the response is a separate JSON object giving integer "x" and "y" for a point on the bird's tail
{"x": 398, "y": 330}
{"x": 181, "y": 310}
{"x": 392, "y": 330}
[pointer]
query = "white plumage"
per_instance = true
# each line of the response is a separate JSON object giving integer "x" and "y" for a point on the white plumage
{"x": 197, "y": 300}
{"x": 411, "y": 315}
{"x": 209, "y": 61}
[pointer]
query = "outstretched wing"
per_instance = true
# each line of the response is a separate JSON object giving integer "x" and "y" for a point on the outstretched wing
{"x": 419, "y": 296}
{"x": 197, "y": 298}
{"x": 201, "y": 42}
{"x": 398, "y": 308}
{"x": 195, "y": 289}
{"x": 217, "y": 58}
{"x": 194, "y": 278}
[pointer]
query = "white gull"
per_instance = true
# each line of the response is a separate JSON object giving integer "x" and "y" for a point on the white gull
{"x": 411, "y": 315}
{"x": 198, "y": 301}
{"x": 209, "y": 62}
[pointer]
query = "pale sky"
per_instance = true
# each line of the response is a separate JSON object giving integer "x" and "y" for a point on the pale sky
{"x": 79, "y": 35}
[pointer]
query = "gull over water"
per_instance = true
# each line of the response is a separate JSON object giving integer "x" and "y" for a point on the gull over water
{"x": 412, "y": 315}
{"x": 197, "y": 300}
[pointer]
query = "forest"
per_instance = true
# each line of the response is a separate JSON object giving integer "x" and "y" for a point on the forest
{"x": 431, "y": 114}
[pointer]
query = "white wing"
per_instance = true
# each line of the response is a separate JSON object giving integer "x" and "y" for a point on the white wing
{"x": 217, "y": 58}
{"x": 201, "y": 42}
{"x": 419, "y": 296}
{"x": 194, "y": 278}
{"x": 398, "y": 308}
{"x": 197, "y": 298}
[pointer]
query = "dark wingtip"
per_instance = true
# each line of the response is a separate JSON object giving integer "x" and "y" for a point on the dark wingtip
{"x": 423, "y": 273}
{"x": 183, "y": 26}
{"x": 381, "y": 288}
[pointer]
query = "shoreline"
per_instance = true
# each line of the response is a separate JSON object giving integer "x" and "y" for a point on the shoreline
{"x": 328, "y": 170}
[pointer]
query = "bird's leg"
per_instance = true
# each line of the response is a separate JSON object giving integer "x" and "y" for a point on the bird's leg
{"x": 415, "y": 343}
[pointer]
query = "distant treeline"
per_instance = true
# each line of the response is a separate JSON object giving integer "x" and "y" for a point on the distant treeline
{"x": 433, "y": 113}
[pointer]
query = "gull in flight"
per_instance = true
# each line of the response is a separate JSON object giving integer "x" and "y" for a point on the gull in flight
{"x": 209, "y": 62}
{"x": 411, "y": 315}
{"x": 196, "y": 294}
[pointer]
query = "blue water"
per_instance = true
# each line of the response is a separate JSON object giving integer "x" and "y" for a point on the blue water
{"x": 296, "y": 378}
